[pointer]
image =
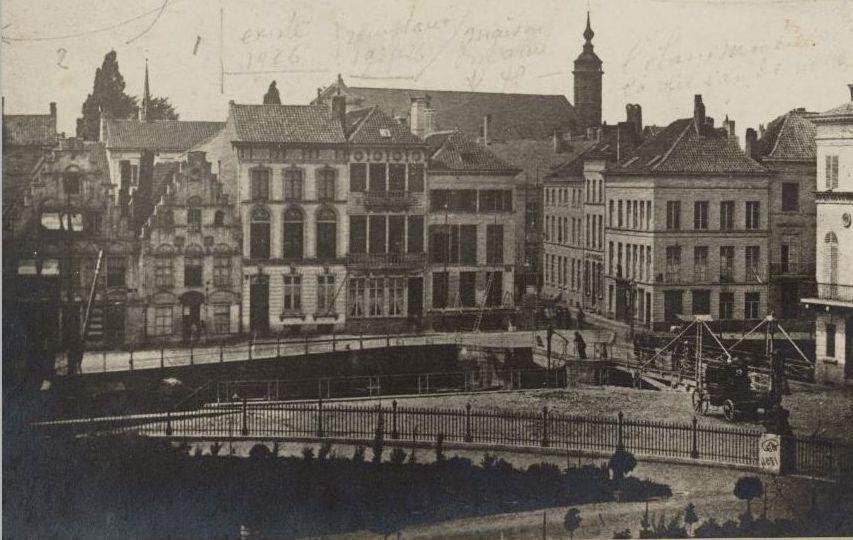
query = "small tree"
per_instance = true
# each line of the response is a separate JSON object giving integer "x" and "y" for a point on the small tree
{"x": 748, "y": 488}
{"x": 398, "y": 456}
{"x": 308, "y": 454}
{"x": 215, "y": 448}
{"x": 259, "y": 451}
{"x": 621, "y": 463}
{"x": 439, "y": 448}
{"x": 624, "y": 533}
{"x": 325, "y": 450}
{"x": 358, "y": 454}
{"x": 572, "y": 521}
{"x": 379, "y": 439}
{"x": 272, "y": 97}
{"x": 690, "y": 517}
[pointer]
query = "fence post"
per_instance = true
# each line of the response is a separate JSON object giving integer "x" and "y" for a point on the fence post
{"x": 361, "y": 340}
{"x": 162, "y": 355}
{"x": 387, "y": 338}
{"x": 192, "y": 347}
{"x": 394, "y": 433}
{"x": 545, "y": 441}
{"x": 244, "y": 430}
{"x": 306, "y": 347}
{"x": 619, "y": 420}
{"x": 468, "y": 437}
{"x": 168, "y": 423}
{"x": 221, "y": 355}
{"x": 251, "y": 342}
{"x": 320, "y": 418}
{"x": 694, "y": 449}
{"x": 278, "y": 347}
{"x": 333, "y": 340}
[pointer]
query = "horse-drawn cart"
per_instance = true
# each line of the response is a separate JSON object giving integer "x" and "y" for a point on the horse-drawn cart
{"x": 727, "y": 385}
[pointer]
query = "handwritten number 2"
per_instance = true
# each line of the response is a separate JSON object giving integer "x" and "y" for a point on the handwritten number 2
{"x": 61, "y": 53}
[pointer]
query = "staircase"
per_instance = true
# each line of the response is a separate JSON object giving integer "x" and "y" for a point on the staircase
{"x": 95, "y": 333}
{"x": 93, "y": 323}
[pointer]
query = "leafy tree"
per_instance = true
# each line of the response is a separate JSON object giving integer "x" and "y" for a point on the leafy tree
{"x": 690, "y": 517}
{"x": 572, "y": 521}
{"x": 748, "y": 488}
{"x": 621, "y": 463}
{"x": 308, "y": 454}
{"x": 160, "y": 109}
{"x": 272, "y": 97}
{"x": 259, "y": 451}
{"x": 107, "y": 96}
{"x": 325, "y": 450}
{"x": 624, "y": 533}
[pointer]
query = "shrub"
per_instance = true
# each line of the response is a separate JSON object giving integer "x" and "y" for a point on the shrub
{"x": 379, "y": 439}
{"x": 325, "y": 450}
{"x": 488, "y": 461}
{"x": 624, "y": 533}
{"x": 215, "y": 448}
{"x": 621, "y": 463}
{"x": 308, "y": 454}
{"x": 259, "y": 451}
{"x": 358, "y": 454}
{"x": 439, "y": 448}
{"x": 690, "y": 517}
{"x": 275, "y": 449}
{"x": 748, "y": 488}
{"x": 398, "y": 456}
{"x": 197, "y": 451}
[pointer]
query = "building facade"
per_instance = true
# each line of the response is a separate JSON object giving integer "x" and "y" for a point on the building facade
{"x": 472, "y": 223}
{"x": 687, "y": 228}
{"x": 190, "y": 255}
{"x": 833, "y": 303}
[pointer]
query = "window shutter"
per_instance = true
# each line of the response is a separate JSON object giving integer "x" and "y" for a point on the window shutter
{"x": 834, "y": 171}
{"x": 235, "y": 318}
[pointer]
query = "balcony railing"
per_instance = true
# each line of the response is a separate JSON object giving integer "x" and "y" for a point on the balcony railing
{"x": 395, "y": 261}
{"x": 794, "y": 269}
{"x": 834, "y": 291}
{"x": 388, "y": 200}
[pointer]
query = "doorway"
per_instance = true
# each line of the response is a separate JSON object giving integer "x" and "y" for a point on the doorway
{"x": 259, "y": 304}
{"x": 672, "y": 306}
{"x": 191, "y": 309}
{"x": 416, "y": 297}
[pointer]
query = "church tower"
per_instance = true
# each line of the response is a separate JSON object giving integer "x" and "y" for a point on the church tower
{"x": 587, "y": 75}
{"x": 146, "y": 97}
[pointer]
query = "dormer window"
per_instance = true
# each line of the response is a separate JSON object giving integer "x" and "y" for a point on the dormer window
{"x": 385, "y": 133}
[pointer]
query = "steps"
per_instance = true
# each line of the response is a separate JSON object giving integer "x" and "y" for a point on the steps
{"x": 96, "y": 325}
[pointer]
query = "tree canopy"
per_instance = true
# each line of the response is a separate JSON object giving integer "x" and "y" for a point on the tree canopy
{"x": 272, "y": 97}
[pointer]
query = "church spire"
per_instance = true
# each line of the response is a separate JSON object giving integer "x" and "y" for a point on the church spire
{"x": 146, "y": 97}
{"x": 588, "y": 34}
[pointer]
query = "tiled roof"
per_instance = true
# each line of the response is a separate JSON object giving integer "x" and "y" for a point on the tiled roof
{"x": 29, "y": 129}
{"x": 366, "y": 127}
{"x": 789, "y": 137}
{"x": 844, "y": 111}
{"x": 286, "y": 124}
{"x": 514, "y": 116}
{"x": 679, "y": 148}
{"x": 453, "y": 151}
{"x": 538, "y": 158}
{"x": 163, "y": 135}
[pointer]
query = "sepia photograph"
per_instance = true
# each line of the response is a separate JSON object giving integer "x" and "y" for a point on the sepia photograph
{"x": 410, "y": 269}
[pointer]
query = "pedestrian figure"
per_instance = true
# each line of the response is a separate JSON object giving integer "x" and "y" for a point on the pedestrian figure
{"x": 580, "y": 346}
{"x": 581, "y": 318}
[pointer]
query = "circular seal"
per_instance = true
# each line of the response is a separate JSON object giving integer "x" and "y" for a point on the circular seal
{"x": 377, "y": 156}
{"x": 397, "y": 156}
{"x": 358, "y": 155}
{"x": 846, "y": 220}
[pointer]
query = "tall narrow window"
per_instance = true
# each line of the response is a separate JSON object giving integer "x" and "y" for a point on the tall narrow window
{"x": 396, "y": 296}
{"x": 259, "y": 238}
{"x": 71, "y": 183}
{"x": 727, "y": 305}
{"x": 673, "y": 215}
{"x": 260, "y": 184}
{"x": 376, "y": 297}
{"x": 751, "y": 305}
{"x": 194, "y": 219}
{"x": 830, "y": 340}
{"x": 116, "y": 267}
{"x": 192, "y": 271}
{"x": 378, "y": 177}
{"x": 163, "y": 272}
{"x": 700, "y": 263}
{"x": 293, "y": 184}
{"x": 753, "y": 263}
{"x": 468, "y": 289}
{"x": 327, "y": 234}
{"x": 293, "y": 234}
{"x": 357, "y": 301}
{"x": 415, "y": 234}
{"x": 397, "y": 234}
{"x": 727, "y": 264}
{"x": 700, "y": 215}
{"x": 222, "y": 270}
{"x": 377, "y": 232}
{"x": 357, "y": 177}
{"x": 753, "y": 214}
{"x": 292, "y": 294}
{"x": 416, "y": 177}
{"x": 495, "y": 244}
{"x": 325, "y": 295}
{"x": 396, "y": 177}
{"x": 439, "y": 289}
{"x": 727, "y": 215}
{"x": 358, "y": 234}
{"x": 326, "y": 184}
{"x": 673, "y": 264}
{"x": 831, "y": 172}
{"x": 790, "y": 197}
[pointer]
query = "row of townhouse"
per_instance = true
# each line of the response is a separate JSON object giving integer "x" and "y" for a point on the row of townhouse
{"x": 654, "y": 225}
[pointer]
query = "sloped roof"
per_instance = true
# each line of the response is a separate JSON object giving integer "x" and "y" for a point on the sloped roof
{"x": 842, "y": 112}
{"x": 514, "y": 116}
{"x": 365, "y": 127}
{"x": 538, "y": 158}
{"x": 453, "y": 151}
{"x": 789, "y": 137}
{"x": 680, "y": 148}
{"x": 285, "y": 124}
{"x": 29, "y": 129}
{"x": 163, "y": 135}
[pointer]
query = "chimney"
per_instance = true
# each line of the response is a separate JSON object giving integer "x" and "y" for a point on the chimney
{"x": 761, "y": 130}
{"x": 487, "y": 121}
{"x": 751, "y": 145}
{"x": 618, "y": 143}
{"x": 558, "y": 141}
{"x": 850, "y": 86}
{"x": 699, "y": 114}
{"x": 635, "y": 118}
{"x": 729, "y": 125}
{"x": 339, "y": 110}
{"x": 709, "y": 121}
{"x": 421, "y": 116}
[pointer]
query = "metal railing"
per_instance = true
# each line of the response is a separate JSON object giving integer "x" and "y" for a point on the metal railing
{"x": 835, "y": 291}
{"x": 388, "y": 199}
{"x": 386, "y": 260}
{"x": 799, "y": 269}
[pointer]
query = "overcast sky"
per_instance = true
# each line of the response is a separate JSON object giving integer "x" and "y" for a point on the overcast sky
{"x": 751, "y": 59}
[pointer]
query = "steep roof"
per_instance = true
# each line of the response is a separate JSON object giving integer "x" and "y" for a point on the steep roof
{"x": 285, "y": 124}
{"x": 163, "y": 135}
{"x": 789, "y": 137}
{"x": 538, "y": 158}
{"x": 372, "y": 126}
{"x": 514, "y": 116}
{"x": 680, "y": 148}
{"x": 453, "y": 151}
{"x": 843, "y": 112}
{"x": 29, "y": 129}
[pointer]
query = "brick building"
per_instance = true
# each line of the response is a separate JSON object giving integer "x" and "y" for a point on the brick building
{"x": 190, "y": 254}
{"x": 473, "y": 221}
{"x": 787, "y": 147}
{"x": 833, "y": 303}
{"x": 687, "y": 228}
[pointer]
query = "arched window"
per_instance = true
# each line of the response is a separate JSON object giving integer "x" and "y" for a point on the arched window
{"x": 293, "y": 233}
{"x": 219, "y": 218}
{"x": 194, "y": 214}
{"x": 259, "y": 240}
{"x": 327, "y": 233}
{"x": 831, "y": 258}
{"x": 71, "y": 182}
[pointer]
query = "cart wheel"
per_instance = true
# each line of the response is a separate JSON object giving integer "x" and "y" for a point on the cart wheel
{"x": 729, "y": 410}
